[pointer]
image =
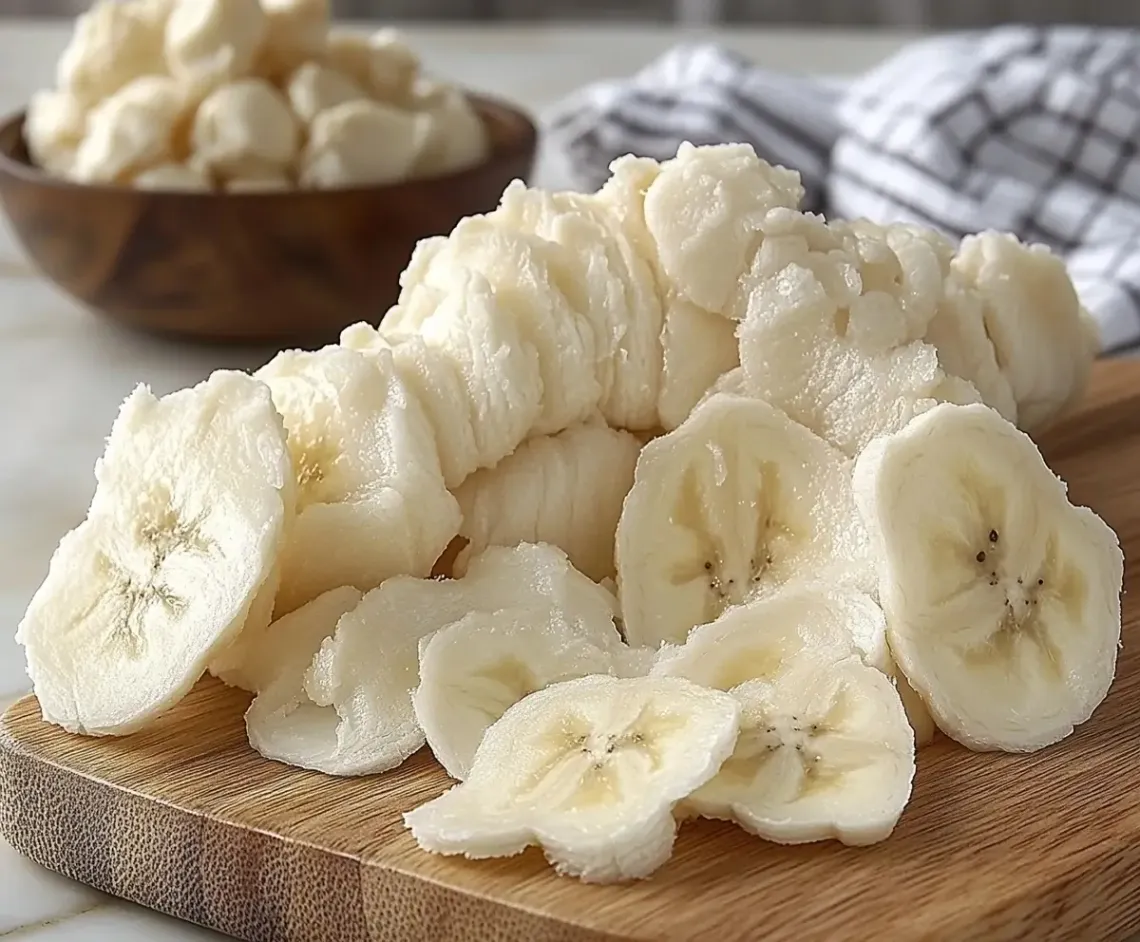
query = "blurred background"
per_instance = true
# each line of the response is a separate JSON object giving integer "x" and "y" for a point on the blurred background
{"x": 883, "y": 13}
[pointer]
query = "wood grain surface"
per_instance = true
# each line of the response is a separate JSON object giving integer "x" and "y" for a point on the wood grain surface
{"x": 282, "y": 267}
{"x": 187, "y": 819}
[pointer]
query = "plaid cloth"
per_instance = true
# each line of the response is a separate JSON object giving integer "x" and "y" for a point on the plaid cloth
{"x": 1029, "y": 130}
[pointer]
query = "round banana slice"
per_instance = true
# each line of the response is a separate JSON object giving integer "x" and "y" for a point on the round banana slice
{"x": 351, "y": 713}
{"x": 565, "y": 489}
{"x": 588, "y": 769}
{"x": 247, "y": 122}
{"x": 736, "y": 501}
{"x": 698, "y": 348}
{"x": 473, "y": 670}
{"x": 616, "y": 288}
{"x": 112, "y": 43}
{"x": 533, "y": 281}
{"x": 1034, "y": 319}
{"x": 704, "y": 212}
{"x": 381, "y": 62}
{"x": 371, "y": 498}
{"x": 211, "y": 42}
{"x": 132, "y": 130}
{"x": 1002, "y": 598}
{"x": 761, "y": 639}
{"x": 314, "y": 88}
{"x": 55, "y": 125}
{"x": 193, "y": 499}
{"x": 456, "y": 137}
{"x": 828, "y": 338}
{"x": 295, "y": 32}
{"x": 824, "y": 752}
{"x": 360, "y": 143}
{"x": 269, "y": 653}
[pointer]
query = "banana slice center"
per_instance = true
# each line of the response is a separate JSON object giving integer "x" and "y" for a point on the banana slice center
{"x": 734, "y": 553}
{"x": 1017, "y": 593}
{"x": 794, "y": 756}
{"x": 138, "y": 579}
{"x": 315, "y": 460}
{"x": 585, "y": 764}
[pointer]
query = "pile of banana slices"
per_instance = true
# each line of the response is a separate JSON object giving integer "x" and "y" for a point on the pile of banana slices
{"x": 661, "y": 502}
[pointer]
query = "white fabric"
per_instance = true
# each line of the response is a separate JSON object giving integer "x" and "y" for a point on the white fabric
{"x": 1030, "y": 130}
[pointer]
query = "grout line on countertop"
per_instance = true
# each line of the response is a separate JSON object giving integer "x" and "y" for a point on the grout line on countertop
{"x": 20, "y": 932}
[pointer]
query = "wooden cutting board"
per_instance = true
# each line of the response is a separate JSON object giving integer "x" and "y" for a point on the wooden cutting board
{"x": 187, "y": 819}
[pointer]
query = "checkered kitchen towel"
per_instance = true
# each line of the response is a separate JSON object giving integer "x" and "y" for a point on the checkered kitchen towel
{"x": 1031, "y": 130}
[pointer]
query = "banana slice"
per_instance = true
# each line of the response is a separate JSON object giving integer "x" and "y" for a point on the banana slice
{"x": 759, "y": 640}
{"x": 704, "y": 211}
{"x": 211, "y": 42}
{"x": 295, "y": 33}
{"x": 1034, "y": 319}
{"x": 192, "y": 504}
{"x": 533, "y": 280}
{"x": 456, "y": 137}
{"x": 473, "y": 670}
{"x": 590, "y": 770}
{"x": 111, "y": 44}
{"x": 699, "y": 348}
{"x": 1002, "y": 598}
{"x": 617, "y": 292}
{"x": 830, "y": 335}
{"x": 565, "y": 489}
{"x": 824, "y": 752}
{"x": 736, "y": 501}
{"x": 286, "y": 646}
{"x": 470, "y": 367}
{"x": 351, "y": 711}
{"x": 371, "y": 498}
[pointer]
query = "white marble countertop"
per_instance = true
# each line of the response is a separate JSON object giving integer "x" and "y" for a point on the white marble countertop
{"x": 63, "y": 373}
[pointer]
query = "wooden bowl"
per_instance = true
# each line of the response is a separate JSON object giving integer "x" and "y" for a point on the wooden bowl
{"x": 291, "y": 267}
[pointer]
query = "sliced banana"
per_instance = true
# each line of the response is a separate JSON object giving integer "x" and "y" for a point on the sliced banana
{"x": 470, "y": 367}
{"x": 532, "y": 280}
{"x": 313, "y": 88}
{"x": 615, "y": 289}
{"x": 295, "y": 32}
{"x": 565, "y": 489}
{"x": 371, "y": 498}
{"x": 210, "y": 42}
{"x": 824, "y": 752}
{"x": 268, "y": 650}
{"x": 704, "y": 211}
{"x": 1002, "y": 598}
{"x": 192, "y": 504}
{"x": 473, "y": 670}
{"x": 456, "y": 137}
{"x": 831, "y": 327}
{"x": 736, "y": 501}
{"x": 699, "y": 348}
{"x": 1034, "y": 319}
{"x": 351, "y": 712}
{"x": 111, "y": 44}
{"x": 590, "y": 770}
{"x": 761, "y": 639}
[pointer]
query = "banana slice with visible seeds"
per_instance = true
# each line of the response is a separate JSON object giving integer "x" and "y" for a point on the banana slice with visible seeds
{"x": 759, "y": 640}
{"x": 371, "y": 496}
{"x": 468, "y": 363}
{"x": 351, "y": 712}
{"x": 738, "y": 500}
{"x": 617, "y": 293}
{"x": 831, "y": 332}
{"x": 590, "y": 770}
{"x": 1002, "y": 598}
{"x": 472, "y": 671}
{"x": 192, "y": 505}
{"x": 824, "y": 752}
{"x": 1034, "y": 318}
{"x": 533, "y": 280}
{"x": 565, "y": 489}
{"x": 261, "y": 654}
